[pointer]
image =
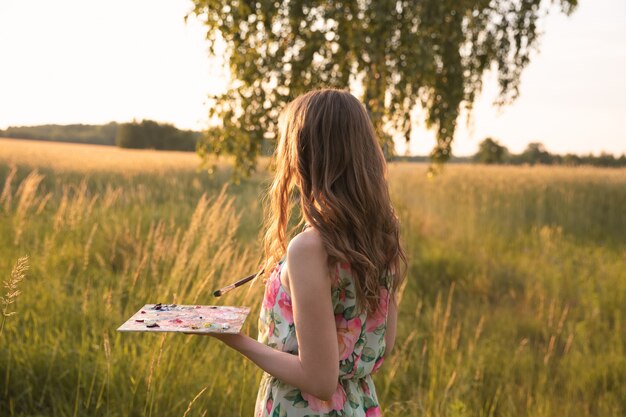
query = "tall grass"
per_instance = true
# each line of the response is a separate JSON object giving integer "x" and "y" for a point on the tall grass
{"x": 12, "y": 290}
{"x": 515, "y": 303}
{"x": 95, "y": 261}
{"x": 516, "y": 297}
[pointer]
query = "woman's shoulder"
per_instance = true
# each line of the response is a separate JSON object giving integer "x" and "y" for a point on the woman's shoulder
{"x": 307, "y": 254}
{"x": 308, "y": 242}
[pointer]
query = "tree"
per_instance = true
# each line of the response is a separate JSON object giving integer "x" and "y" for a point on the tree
{"x": 153, "y": 135}
{"x": 536, "y": 153}
{"x": 405, "y": 53}
{"x": 491, "y": 152}
{"x": 130, "y": 135}
{"x": 571, "y": 159}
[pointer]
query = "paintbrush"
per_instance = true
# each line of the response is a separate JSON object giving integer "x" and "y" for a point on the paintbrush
{"x": 232, "y": 286}
{"x": 242, "y": 281}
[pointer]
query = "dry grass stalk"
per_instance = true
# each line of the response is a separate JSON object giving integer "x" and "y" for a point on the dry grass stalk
{"x": 140, "y": 269}
{"x": 154, "y": 365}
{"x": 27, "y": 193}
{"x": 18, "y": 273}
{"x": 7, "y": 196}
{"x": 194, "y": 400}
{"x": 88, "y": 246}
{"x": 183, "y": 251}
{"x": 559, "y": 327}
{"x": 78, "y": 207}
{"x": 59, "y": 216}
{"x": 450, "y": 383}
{"x": 568, "y": 343}
{"x": 111, "y": 196}
{"x": 42, "y": 203}
{"x": 550, "y": 349}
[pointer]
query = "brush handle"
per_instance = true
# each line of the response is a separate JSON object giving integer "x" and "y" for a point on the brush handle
{"x": 222, "y": 291}
{"x": 230, "y": 287}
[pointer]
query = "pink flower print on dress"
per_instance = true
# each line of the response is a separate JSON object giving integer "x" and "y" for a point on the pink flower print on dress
{"x": 373, "y": 412}
{"x": 377, "y": 319}
{"x": 365, "y": 387}
{"x": 342, "y": 294}
{"x": 336, "y": 402}
{"x": 268, "y": 406}
{"x": 284, "y": 303}
{"x": 271, "y": 289}
{"x": 348, "y": 332}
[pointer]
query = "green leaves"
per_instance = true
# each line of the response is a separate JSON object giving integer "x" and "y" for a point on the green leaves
{"x": 368, "y": 354}
{"x": 349, "y": 313}
{"x": 276, "y": 412}
{"x": 295, "y": 397}
{"x": 430, "y": 54}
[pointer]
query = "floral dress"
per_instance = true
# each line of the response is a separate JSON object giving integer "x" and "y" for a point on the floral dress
{"x": 361, "y": 342}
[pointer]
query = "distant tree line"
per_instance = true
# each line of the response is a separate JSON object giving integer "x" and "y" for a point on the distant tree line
{"x": 146, "y": 134}
{"x": 76, "y": 133}
{"x": 492, "y": 152}
{"x": 425, "y": 158}
{"x": 149, "y": 134}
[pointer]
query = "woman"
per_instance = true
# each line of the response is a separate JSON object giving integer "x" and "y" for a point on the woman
{"x": 329, "y": 310}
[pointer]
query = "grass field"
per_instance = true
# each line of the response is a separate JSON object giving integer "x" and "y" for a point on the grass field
{"x": 515, "y": 304}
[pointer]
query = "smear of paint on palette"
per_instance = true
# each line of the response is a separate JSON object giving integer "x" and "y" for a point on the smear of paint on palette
{"x": 186, "y": 319}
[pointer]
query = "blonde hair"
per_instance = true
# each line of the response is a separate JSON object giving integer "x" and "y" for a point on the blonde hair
{"x": 327, "y": 150}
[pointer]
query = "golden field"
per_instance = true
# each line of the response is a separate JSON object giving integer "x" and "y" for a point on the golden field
{"x": 515, "y": 303}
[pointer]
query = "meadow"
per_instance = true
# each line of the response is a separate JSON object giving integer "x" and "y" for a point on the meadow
{"x": 514, "y": 305}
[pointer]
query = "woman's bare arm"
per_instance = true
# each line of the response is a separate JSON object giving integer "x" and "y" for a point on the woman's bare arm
{"x": 392, "y": 321}
{"x": 315, "y": 369}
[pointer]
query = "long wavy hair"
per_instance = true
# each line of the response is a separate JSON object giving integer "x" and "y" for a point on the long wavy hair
{"x": 329, "y": 157}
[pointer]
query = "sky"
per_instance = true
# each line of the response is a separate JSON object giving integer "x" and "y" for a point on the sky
{"x": 83, "y": 61}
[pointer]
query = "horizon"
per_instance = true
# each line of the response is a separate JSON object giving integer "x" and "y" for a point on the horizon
{"x": 572, "y": 94}
{"x": 425, "y": 155}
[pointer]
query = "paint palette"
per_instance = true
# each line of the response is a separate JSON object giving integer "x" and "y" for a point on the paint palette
{"x": 186, "y": 319}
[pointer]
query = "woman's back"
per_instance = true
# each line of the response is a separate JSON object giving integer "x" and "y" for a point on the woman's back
{"x": 328, "y": 155}
{"x": 361, "y": 342}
